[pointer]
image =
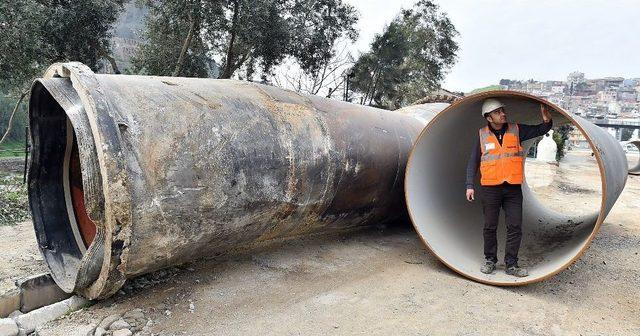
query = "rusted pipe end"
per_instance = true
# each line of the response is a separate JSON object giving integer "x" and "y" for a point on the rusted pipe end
{"x": 70, "y": 178}
{"x": 55, "y": 189}
{"x": 451, "y": 227}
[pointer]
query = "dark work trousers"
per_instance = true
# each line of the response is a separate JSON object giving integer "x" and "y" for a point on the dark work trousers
{"x": 508, "y": 197}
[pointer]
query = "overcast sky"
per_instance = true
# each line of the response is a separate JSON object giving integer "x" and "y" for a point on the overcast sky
{"x": 542, "y": 39}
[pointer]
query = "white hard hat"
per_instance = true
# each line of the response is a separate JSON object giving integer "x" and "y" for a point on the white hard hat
{"x": 490, "y": 105}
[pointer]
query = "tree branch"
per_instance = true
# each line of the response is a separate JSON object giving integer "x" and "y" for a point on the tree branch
{"x": 185, "y": 47}
{"x": 228, "y": 64}
{"x": 375, "y": 86}
{"x": 103, "y": 53}
{"x": 240, "y": 61}
{"x": 109, "y": 58}
{"x": 6, "y": 133}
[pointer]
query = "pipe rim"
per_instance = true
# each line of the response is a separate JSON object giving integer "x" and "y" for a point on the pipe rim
{"x": 47, "y": 194}
{"x": 114, "y": 178}
{"x": 635, "y": 170}
{"x": 601, "y": 212}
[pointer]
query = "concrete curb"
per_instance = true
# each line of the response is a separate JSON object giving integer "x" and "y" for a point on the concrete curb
{"x": 37, "y": 300}
{"x": 39, "y": 291}
{"x": 31, "y": 293}
{"x": 28, "y": 322}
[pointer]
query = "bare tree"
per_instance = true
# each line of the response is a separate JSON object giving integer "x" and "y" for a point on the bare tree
{"x": 328, "y": 81}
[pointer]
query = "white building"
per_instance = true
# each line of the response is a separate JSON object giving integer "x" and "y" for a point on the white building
{"x": 607, "y": 96}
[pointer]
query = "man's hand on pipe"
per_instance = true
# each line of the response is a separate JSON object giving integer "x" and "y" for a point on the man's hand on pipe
{"x": 544, "y": 112}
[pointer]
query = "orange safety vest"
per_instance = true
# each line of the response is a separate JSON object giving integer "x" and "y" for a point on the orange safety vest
{"x": 499, "y": 164}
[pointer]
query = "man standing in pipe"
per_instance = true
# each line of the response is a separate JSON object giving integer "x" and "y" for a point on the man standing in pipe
{"x": 498, "y": 153}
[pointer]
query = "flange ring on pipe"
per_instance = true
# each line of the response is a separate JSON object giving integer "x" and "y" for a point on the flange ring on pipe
{"x": 451, "y": 227}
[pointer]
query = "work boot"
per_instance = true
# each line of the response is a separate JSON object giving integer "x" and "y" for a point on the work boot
{"x": 516, "y": 271}
{"x": 488, "y": 267}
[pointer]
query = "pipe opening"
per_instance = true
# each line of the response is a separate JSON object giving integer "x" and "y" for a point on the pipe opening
{"x": 56, "y": 193}
{"x": 452, "y": 228}
{"x": 632, "y": 151}
{"x": 568, "y": 185}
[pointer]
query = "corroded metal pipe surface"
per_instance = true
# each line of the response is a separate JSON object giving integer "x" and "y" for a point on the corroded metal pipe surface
{"x": 134, "y": 173}
{"x": 451, "y": 227}
{"x": 423, "y": 112}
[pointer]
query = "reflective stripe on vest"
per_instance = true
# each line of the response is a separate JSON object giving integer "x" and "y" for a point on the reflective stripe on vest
{"x": 501, "y": 163}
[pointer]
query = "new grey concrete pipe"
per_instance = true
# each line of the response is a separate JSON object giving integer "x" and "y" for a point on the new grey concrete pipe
{"x": 635, "y": 168}
{"x": 132, "y": 173}
{"x": 451, "y": 227}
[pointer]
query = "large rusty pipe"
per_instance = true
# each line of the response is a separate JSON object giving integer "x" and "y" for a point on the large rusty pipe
{"x": 451, "y": 227}
{"x": 130, "y": 174}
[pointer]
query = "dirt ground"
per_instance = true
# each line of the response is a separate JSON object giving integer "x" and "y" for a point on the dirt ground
{"x": 382, "y": 281}
{"x": 20, "y": 256}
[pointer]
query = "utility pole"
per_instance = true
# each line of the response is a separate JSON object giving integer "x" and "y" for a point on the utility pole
{"x": 348, "y": 75}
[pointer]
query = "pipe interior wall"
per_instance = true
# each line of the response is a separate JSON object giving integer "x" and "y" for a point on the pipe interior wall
{"x": 451, "y": 227}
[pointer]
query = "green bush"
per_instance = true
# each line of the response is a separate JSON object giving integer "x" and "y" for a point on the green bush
{"x": 560, "y": 136}
{"x": 14, "y": 203}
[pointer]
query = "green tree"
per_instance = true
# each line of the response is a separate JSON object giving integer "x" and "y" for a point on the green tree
{"x": 316, "y": 26}
{"x": 487, "y": 88}
{"x": 183, "y": 38}
{"x": 36, "y": 33}
{"x": 79, "y": 30}
{"x": 560, "y": 136}
{"x": 627, "y": 133}
{"x": 21, "y": 23}
{"x": 174, "y": 43}
{"x": 408, "y": 60}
